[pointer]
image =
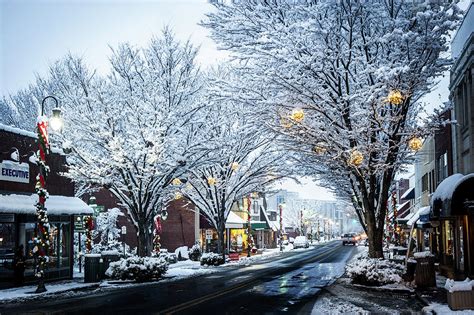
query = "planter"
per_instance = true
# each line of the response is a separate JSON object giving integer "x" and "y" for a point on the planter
{"x": 461, "y": 300}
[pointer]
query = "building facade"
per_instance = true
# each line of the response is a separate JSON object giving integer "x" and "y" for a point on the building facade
{"x": 18, "y": 222}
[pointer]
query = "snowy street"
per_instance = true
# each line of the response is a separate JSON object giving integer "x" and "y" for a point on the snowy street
{"x": 289, "y": 282}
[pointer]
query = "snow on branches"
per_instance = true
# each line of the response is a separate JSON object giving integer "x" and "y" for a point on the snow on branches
{"x": 353, "y": 71}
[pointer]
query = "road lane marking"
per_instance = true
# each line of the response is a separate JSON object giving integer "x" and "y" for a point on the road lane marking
{"x": 205, "y": 298}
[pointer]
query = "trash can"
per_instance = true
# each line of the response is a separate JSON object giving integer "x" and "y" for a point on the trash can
{"x": 92, "y": 268}
{"x": 425, "y": 275}
{"x": 107, "y": 258}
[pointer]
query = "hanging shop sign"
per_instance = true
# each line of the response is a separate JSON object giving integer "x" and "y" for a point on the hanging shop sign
{"x": 14, "y": 172}
{"x": 79, "y": 226}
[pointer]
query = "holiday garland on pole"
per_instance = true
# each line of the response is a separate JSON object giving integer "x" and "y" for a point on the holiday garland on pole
{"x": 41, "y": 248}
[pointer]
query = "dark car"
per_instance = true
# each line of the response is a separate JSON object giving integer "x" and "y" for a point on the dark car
{"x": 349, "y": 238}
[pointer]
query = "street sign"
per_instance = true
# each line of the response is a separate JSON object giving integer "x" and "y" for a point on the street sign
{"x": 209, "y": 234}
{"x": 124, "y": 230}
{"x": 79, "y": 224}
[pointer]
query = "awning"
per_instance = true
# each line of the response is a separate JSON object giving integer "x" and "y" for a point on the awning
{"x": 452, "y": 195}
{"x": 234, "y": 221}
{"x": 271, "y": 224}
{"x": 405, "y": 219}
{"x": 409, "y": 194}
{"x": 416, "y": 216}
{"x": 55, "y": 205}
{"x": 259, "y": 225}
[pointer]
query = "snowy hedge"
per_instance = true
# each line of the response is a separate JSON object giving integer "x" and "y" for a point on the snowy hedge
{"x": 374, "y": 271}
{"x": 212, "y": 259}
{"x": 137, "y": 268}
{"x": 195, "y": 253}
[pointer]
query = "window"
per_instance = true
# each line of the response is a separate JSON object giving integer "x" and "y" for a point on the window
{"x": 424, "y": 183}
{"x": 7, "y": 247}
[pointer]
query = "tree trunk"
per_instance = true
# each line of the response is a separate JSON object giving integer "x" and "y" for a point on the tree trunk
{"x": 143, "y": 241}
{"x": 375, "y": 237}
{"x": 221, "y": 241}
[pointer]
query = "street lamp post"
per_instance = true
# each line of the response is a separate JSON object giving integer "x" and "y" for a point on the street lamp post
{"x": 249, "y": 226}
{"x": 41, "y": 248}
{"x": 161, "y": 216}
{"x": 280, "y": 207}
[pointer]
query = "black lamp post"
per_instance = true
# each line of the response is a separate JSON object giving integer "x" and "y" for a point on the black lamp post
{"x": 41, "y": 248}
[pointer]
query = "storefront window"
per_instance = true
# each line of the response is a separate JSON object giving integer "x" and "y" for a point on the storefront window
{"x": 7, "y": 246}
{"x": 59, "y": 245}
{"x": 449, "y": 241}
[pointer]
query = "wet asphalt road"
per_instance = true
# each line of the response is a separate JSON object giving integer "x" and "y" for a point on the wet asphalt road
{"x": 288, "y": 284}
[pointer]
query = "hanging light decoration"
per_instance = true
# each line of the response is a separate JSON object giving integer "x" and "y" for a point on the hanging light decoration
{"x": 297, "y": 115}
{"x": 395, "y": 97}
{"x": 356, "y": 158}
{"x": 415, "y": 144}
{"x": 234, "y": 166}
{"x": 320, "y": 148}
{"x": 176, "y": 182}
{"x": 211, "y": 181}
{"x": 178, "y": 195}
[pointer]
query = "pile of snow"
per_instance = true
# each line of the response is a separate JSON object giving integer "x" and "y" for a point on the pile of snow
{"x": 374, "y": 271}
{"x": 446, "y": 188}
{"x": 454, "y": 286}
{"x": 137, "y": 268}
{"x": 182, "y": 252}
{"x": 212, "y": 259}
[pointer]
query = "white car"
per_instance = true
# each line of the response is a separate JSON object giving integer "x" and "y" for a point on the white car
{"x": 301, "y": 242}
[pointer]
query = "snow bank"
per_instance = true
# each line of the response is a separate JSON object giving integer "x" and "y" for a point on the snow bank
{"x": 454, "y": 286}
{"x": 374, "y": 271}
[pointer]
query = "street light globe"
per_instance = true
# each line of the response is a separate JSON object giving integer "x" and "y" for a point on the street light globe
{"x": 56, "y": 122}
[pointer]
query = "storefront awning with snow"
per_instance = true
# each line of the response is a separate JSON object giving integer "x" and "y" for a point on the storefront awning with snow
{"x": 409, "y": 194}
{"x": 56, "y": 205}
{"x": 454, "y": 196}
{"x": 234, "y": 221}
{"x": 421, "y": 213}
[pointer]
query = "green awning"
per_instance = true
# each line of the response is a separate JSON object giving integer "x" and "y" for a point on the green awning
{"x": 259, "y": 225}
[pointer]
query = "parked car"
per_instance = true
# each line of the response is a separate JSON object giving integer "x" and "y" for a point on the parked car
{"x": 349, "y": 238}
{"x": 301, "y": 242}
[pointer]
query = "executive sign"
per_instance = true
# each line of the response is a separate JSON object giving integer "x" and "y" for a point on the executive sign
{"x": 15, "y": 172}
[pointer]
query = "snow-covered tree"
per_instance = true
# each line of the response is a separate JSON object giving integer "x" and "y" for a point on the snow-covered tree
{"x": 244, "y": 159}
{"x": 133, "y": 130}
{"x": 342, "y": 80}
{"x": 106, "y": 231}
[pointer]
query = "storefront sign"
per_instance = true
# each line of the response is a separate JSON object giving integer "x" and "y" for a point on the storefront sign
{"x": 209, "y": 234}
{"x": 234, "y": 256}
{"x": 15, "y": 172}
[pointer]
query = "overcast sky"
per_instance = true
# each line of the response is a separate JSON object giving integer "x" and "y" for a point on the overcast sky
{"x": 34, "y": 33}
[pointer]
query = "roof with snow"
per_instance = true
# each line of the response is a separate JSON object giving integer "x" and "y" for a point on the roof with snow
{"x": 234, "y": 221}
{"x": 55, "y": 205}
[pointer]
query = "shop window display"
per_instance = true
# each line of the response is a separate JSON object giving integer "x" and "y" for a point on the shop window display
{"x": 7, "y": 247}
